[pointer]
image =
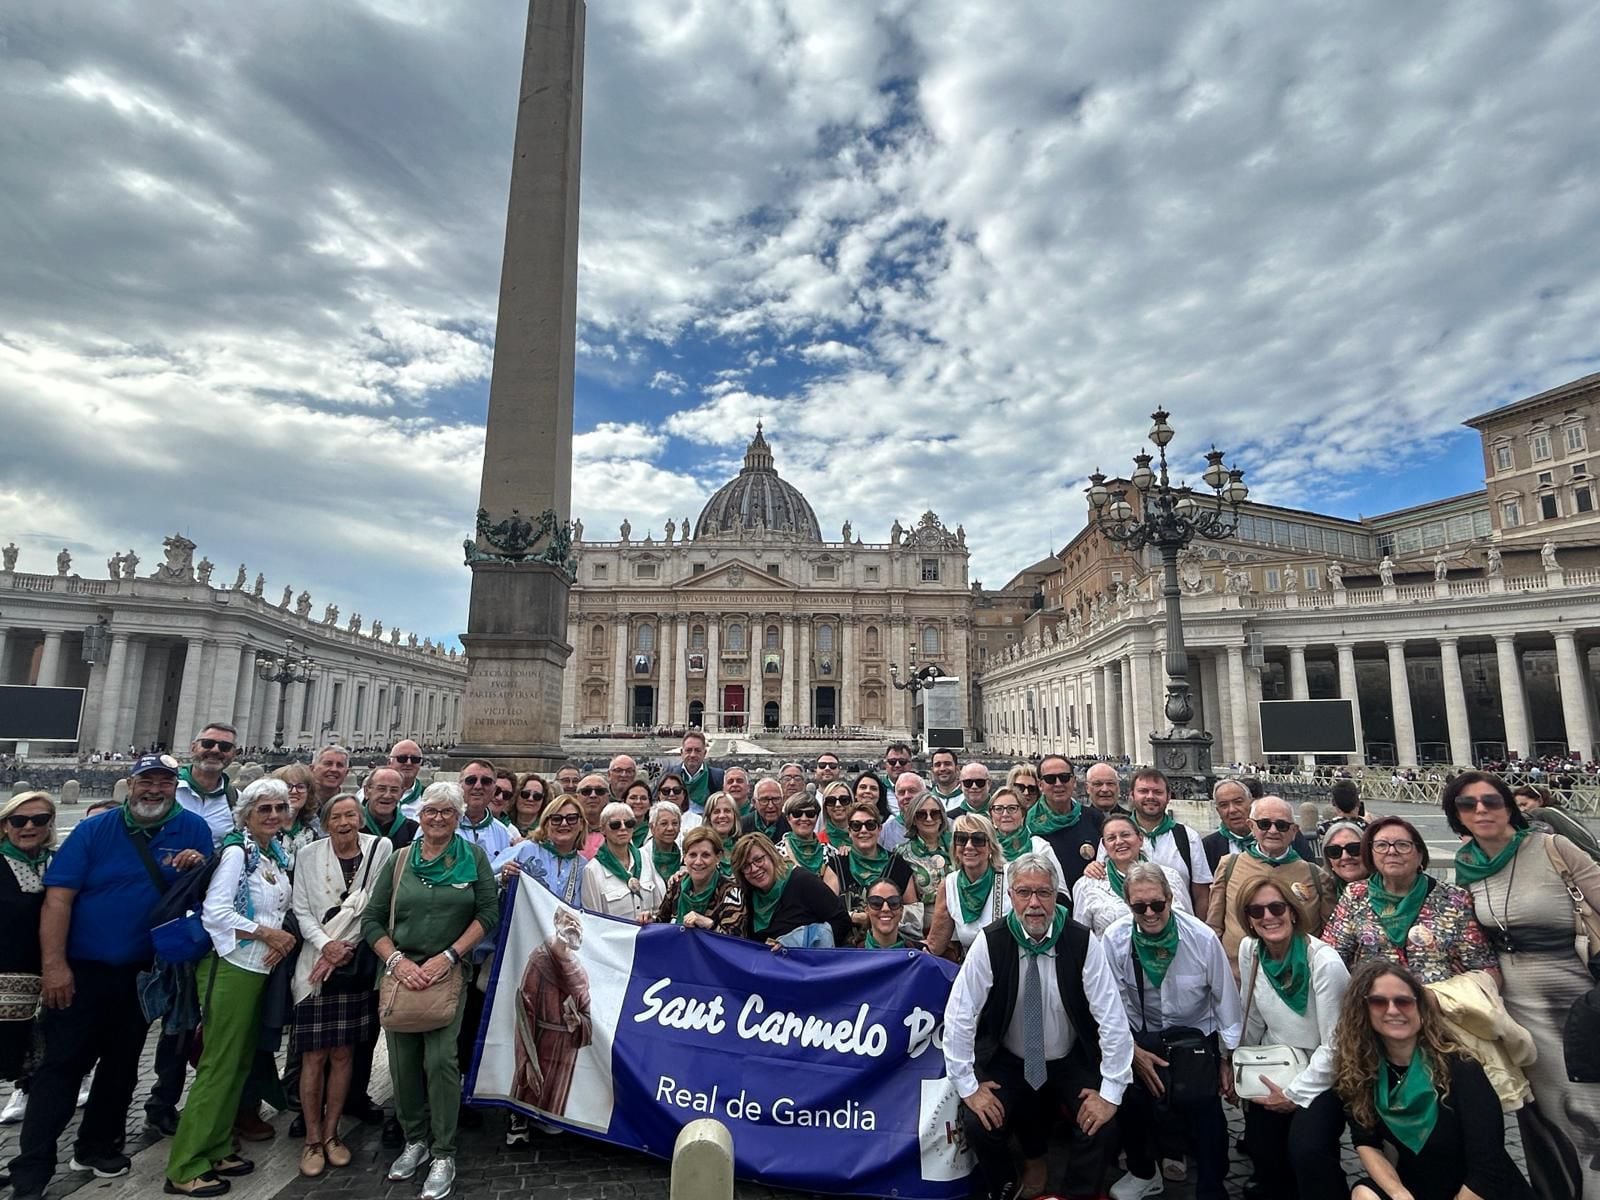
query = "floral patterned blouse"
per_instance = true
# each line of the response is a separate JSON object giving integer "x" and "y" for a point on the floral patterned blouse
{"x": 1444, "y": 941}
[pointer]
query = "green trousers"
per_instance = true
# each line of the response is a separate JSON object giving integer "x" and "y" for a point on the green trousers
{"x": 231, "y": 1025}
{"x": 427, "y": 1084}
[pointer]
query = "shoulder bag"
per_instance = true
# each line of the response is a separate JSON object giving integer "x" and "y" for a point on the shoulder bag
{"x": 1580, "y": 1033}
{"x": 402, "y": 1010}
{"x": 359, "y": 973}
{"x": 1192, "y": 1069}
{"x": 1279, "y": 1063}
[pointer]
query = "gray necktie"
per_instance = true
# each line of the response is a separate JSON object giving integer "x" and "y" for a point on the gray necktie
{"x": 1033, "y": 1068}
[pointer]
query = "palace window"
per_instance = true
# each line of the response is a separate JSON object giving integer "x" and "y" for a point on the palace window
{"x": 1503, "y": 458}
{"x": 1541, "y": 445}
{"x": 1583, "y": 500}
{"x": 1511, "y": 514}
{"x": 1575, "y": 440}
{"x": 1549, "y": 510}
{"x": 1272, "y": 579}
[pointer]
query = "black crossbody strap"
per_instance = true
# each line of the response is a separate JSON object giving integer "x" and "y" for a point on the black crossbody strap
{"x": 1138, "y": 982}
{"x": 142, "y": 845}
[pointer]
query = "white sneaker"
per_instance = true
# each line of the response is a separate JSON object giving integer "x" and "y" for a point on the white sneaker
{"x": 1131, "y": 1187}
{"x": 1175, "y": 1169}
{"x": 15, "y": 1107}
{"x": 83, "y": 1090}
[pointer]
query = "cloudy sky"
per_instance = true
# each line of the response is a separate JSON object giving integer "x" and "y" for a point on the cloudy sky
{"x": 952, "y": 254}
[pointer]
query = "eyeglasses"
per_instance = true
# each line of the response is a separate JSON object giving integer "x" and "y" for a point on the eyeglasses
{"x": 862, "y": 826}
{"x": 593, "y": 791}
{"x": 437, "y": 814}
{"x": 1256, "y": 911}
{"x": 297, "y": 787}
{"x": 975, "y": 783}
{"x": 792, "y": 778}
{"x": 1348, "y": 849}
{"x": 1143, "y": 906}
{"x": 978, "y": 841}
{"x": 1031, "y": 789}
{"x": 1026, "y": 894}
{"x": 272, "y": 808}
{"x": 1005, "y": 810}
{"x": 669, "y": 791}
{"x": 214, "y": 744}
{"x": 616, "y": 823}
{"x": 1493, "y": 801}
{"x": 406, "y": 759}
{"x": 1379, "y": 1004}
{"x": 564, "y": 818}
{"x": 531, "y": 794}
{"x": 23, "y": 820}
{"x": 1280, "y": 826}
{"x": 1057, "y": 780}
{"x": 929, "y": 814}
{"x": 891, "y": 902}
{"x": 476, "y": 780}
{"x": 1398, "y": 846}
{"x": 804, "y": 814}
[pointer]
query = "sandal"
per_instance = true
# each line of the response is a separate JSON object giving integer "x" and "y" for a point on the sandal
{"x": 202, "y": 1185}
{"x": 233, "y": 1165}
{"x": 337, "y": 1153}
{"x": 312, "y": 1160}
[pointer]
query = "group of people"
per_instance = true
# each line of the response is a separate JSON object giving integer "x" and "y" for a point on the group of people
{"x": 1115, "y": 965}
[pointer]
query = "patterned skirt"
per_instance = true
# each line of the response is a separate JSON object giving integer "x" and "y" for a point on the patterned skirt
{"x": 334, "y": 1019}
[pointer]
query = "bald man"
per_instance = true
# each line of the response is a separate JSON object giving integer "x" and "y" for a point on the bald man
{"x": 405, "y": 756}
{"x": 1104, "y": 786}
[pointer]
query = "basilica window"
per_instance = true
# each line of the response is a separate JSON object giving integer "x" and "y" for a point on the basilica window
{"x": 872, "y": 640}
{"x": 644, "y": 570}
{"x": 824, "y": 639}
{"x": 598, "y": 571}
{"x": 697, "y": 637}
{"x": 644, "y": 638}
{"x": 772, "y": 637}
{"x": 930, "y": 640}
{"x": 827, "y": 571}
{"x": 930, "y": 570}
{"x": 872, "y": 574}
{"x": 736, "y": 636}
{"x": 597, "y": 639}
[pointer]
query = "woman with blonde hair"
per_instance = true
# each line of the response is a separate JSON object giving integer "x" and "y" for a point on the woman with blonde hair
{"x": 614, "y": 881}
{"x": 304, "y": 825}
{"x": 27, "y": 838}
{"x": 974, "y": 894}
{"x": 1023, "y": 779}
{"x": 553, "y": 853}
{"x": 722, "y": 818}
{"x": 1408, "y": 1087}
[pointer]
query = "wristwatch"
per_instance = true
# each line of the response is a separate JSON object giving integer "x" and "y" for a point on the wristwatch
{"x": 450, "y": 953}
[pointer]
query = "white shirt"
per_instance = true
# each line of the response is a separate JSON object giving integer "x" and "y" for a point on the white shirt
{"x": 1097, "y": 906}
{"x": 1198, "y": 989}
{"x": 1271, "y": 1022}
{"x": 214, "y": 809}
{"x": 998, "y": 906}
{"x": 493, "y": 838}
{"x": 1164, "y": 850}
{"x": 410, "y": 803}
{"x": 270, "y": 892}
{"x": 971, "y": 990}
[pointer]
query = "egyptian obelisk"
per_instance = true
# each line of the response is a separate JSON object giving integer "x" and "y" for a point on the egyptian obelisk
{"x": 516, "y": 626}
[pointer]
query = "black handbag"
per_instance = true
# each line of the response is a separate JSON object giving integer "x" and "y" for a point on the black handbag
{"x": 1194, "y": 1062}
{"x": 361, "y": 972}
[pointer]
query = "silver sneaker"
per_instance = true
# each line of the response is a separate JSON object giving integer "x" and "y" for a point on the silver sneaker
{"x": 411, "y": 1158}
{"x": 441, "y": 1179}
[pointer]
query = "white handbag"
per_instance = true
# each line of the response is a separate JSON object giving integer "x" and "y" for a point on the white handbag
{"x": 1281, "y": 1064}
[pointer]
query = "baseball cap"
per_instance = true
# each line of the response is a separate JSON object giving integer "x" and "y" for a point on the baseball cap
{"x": 154, "y": 762}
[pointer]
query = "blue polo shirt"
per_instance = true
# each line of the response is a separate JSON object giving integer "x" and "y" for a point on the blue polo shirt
{"x": 111, "y": 913}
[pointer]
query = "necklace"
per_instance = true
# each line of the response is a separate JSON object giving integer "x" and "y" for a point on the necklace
{"x": 1501, "y": 936}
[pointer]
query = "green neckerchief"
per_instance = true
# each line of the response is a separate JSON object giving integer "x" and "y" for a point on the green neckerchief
{"x": 154, "y": 827}
{"x": 37, "y": 861}
{"x": 1397, "y": 914}
{"x": 746, "y": 811}
{"x": 760, "y": 826}
{"x": 1016, "y": 843}
{"x": 916, "y": 845}
{"x": 1238, "y": 843}
{"x": 1044, "y": 820}
{"x": 965, "y": 809}
{"x": 640, "y": 833}
{"x": 667, "y": 861}
{"x": 1472, "y": 864}
{"x": 872, "y": 943}
{"x": 613, "y": 864}
{"x": 1114, "y": 877}
{"x": 273, "y": 851}
{"x": 1165, "y": 825}
{"x": 697, "y": 788}
{"x": 1020, "y": 935}
{"x": 456, "y": 867}
{"x": 185, "y": 777}
{"x": 873, "y": 867}
{"x": 564, "y": 856}
{"x": 528, "y": 830}
{"x": 1412, "y": 1110}
{"x": 488, "y": 820}
{"x": 505, "y": 819}
{"x": 372, "y": 826}
{"x": 974, "y": 895}
{"x": 946, "y": 797}
{"x": 1290, "y": 855}
{"x": 413, "y": 795}
{"x": 838, "y": 835}
{"x": 691, "y": 901}
{"x": 807, "y": 852}
{"x": 765, "y": 904}
{"x": 1290, "y": 976}
{"x": 1156, "y": 952}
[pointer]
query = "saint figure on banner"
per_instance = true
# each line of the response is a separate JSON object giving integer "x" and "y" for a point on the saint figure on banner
{"x": 553, "y": 1021}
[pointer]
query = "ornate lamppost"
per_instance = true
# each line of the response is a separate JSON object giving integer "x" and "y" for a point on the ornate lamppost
{"x": 919, "y": 680}
{"x": 283, "y": 669}
{"x": 1170, "y": 518}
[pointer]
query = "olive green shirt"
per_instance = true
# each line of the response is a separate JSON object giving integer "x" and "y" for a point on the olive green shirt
{"x": 428, "y": 919}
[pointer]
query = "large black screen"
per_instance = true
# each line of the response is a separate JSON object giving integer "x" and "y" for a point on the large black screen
{"x": 39, "y": 714}
{"x": 1308, "y": 727}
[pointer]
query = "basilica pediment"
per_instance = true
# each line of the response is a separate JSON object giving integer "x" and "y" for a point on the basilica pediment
{"x": 737, "y": 576}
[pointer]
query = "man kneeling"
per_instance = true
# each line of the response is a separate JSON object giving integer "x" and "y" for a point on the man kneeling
{"x": 1035, "y": 1024}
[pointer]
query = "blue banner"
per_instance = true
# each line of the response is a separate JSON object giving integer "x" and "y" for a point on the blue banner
{"x": 627, "y": 1033}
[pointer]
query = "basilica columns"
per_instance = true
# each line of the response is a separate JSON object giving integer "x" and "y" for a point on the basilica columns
{"x": 850, "y": 674}
{"x": 788, "y": 688}
{"x": 713, "y": 717}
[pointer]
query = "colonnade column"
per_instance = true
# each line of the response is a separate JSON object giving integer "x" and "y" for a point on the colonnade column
{"x": 619, "y": 672}
{"x": 1220, "y": 708}
{"x": 1099, "y": 727}
{"x": 105, "y": 737}
{"x": 50, "y": 661}
{"x": 1300, "y": 689}
{"x": 1130, "y": 734}
{"x": 1575, "y": 699}
{"x": 1405, "y": 733}
{"x": 2, "y": 655}
{"x": 1348, "y": 690}
{"x": 224, "y": 682}
{"x": 680, "y": 671}
{"x": 183, "y": 729}
{"x": 1239, "y": 704}
{"x": 789, "y": 686}
{"x": 1513, "y": 703}
{"x": 1139, "y": 704}
{"x": 1455, "y": 703}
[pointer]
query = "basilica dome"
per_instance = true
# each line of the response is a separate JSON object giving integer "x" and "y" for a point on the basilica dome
{"x": 757, "y": 500}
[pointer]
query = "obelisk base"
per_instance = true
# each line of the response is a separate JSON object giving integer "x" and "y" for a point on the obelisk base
{"x": 516, "y": 651}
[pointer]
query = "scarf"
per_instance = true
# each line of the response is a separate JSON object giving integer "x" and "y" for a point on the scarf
{"x": 666, "y": 861}
{"x": 37, "y": 861}
{"x": 691, "y": 901}
{"x": 761, "y": 827}
{"x": 946, "y": 798}
{"x": 1412, "y": 1109}
{"x": 1155, "y": 952}
{"x": 243, "y": 902}
{"x": 640, "y": 833}
{"x": 837, "y": 835}
{"x": 614, "y": 866}
{"x": 1020, "y": 935}
{"x": 867, "y": 871}
{"x": 370, "y": 822}
{"x": 1397, "y": 914}
{"x": 413, "y": 796}
{"x": 456, "y": 867}
{"x": 1114, "y": 878}
{"x": 974, "y": 895}
{"x": 1472, "y": 864}
{"x": 872, "y": 943}
{"x": 807, "y": 852}
{"x": 488, "y": 820}
{"x": 1044, "y": 820}
{"x": 1290, "y": 855}
{"x": 1016, "y": 843}
{"x": 186, "y": 778}
{"x": 1290, "y": 976}
{"x": 764, "y": 905}
{"x": 1238, "y": 843}
{"x": 697, "y": 788}
{"x": 154, "y": 827}
{"x": 1165, "y": 825}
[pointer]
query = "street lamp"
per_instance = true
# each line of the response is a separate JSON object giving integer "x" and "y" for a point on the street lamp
{"x": 283, "y": 669}
{"x": 919, "y": 680}
{"x": 1169, "y": 519}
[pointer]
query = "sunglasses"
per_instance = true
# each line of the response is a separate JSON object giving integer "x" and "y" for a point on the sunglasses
{"x": 503, "y": 793}
{"x": 929, "y": 815}
{"x": 1256, "y": 911}
{"x": 593, "y": 791}
{"x": 409, "y": 759}
{"x": 877, "y": 902}
{"x": 827, "y": 766}
{"x": 862, "y": 826}
{"x": 895, "y": 762}
{"x": 1143, "y": 906}
{"x": 977, "y": 841}
{"x": 615, "y": 824}
{"x": 476, "y": 780}
{"x": 1056, "y": 780}
{"x": 214, "y": 744}
{"x": 272, "y": 808}
{"x": 1031, "y": 789}
{"x": 669, "y": 792}
{"x": 530, "y": 794}
{"x": 835, "y": 801}
{"x": 975, "y": 783}
{"x": 564, "y": 819}
{"x": 803, "y": 814}
{"x": 1380, "y": 1004}
{"x": 37, "y": 820}
{"x": 1349, "y": 849}
{"x": 1280, "y": 826}
{"x": 1491, "y": 802}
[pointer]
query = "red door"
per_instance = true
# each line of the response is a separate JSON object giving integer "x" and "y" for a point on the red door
{"x": 733, "y": 706}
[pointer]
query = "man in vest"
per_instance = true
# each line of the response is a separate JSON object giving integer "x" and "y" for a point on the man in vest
{"x": 946, "y": 785}
{"x": 699, "y": 779}
{"x": 1234, "y": 833}
{"x": 1165, "y": 840}
{"x": 1034, "y": 1027}
{"x": 406, "y": 757}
